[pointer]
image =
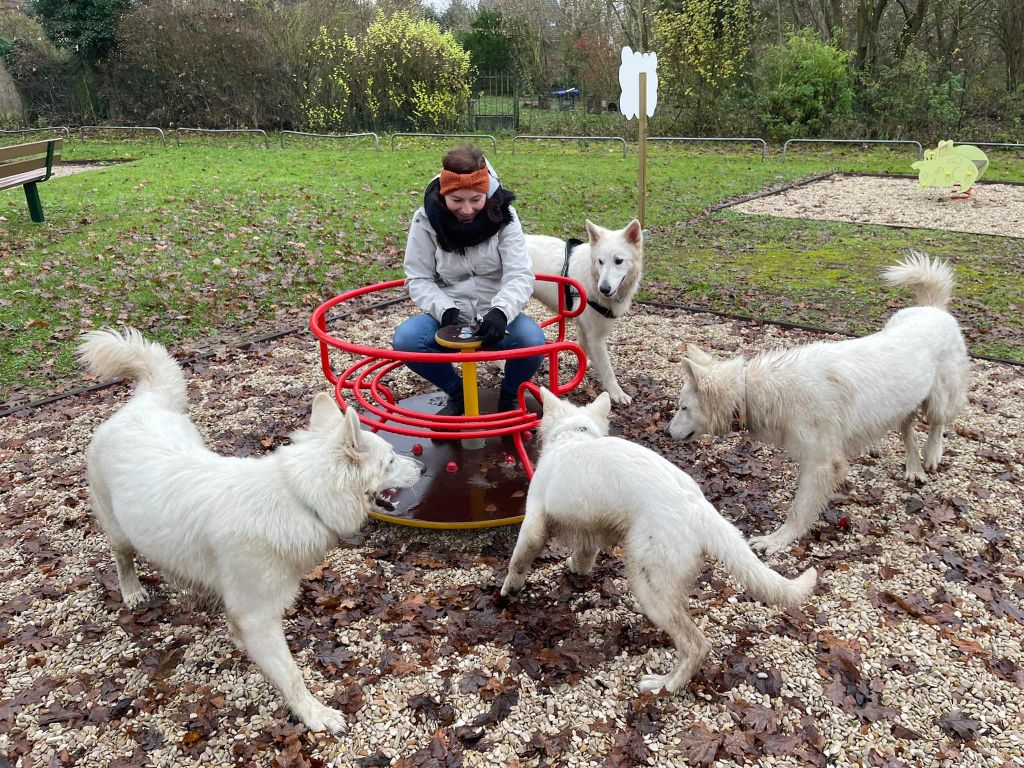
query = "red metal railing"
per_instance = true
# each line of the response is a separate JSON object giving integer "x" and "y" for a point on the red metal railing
{"x": 363, "y": 379}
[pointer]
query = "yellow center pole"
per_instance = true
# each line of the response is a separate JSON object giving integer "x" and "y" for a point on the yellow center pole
{"x": 469, "y": 391}
{"x": 643, "y": 148}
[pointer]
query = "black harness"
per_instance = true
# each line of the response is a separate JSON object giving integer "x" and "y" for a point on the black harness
{"x": 570, "y": 297}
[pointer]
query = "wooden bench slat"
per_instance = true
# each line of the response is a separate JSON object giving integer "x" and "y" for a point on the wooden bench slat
{"x": 21, "y": 179}
{"x": 22, "y": 166}
{"x": 30, "y": 149}
{"x": 28, "y": 164}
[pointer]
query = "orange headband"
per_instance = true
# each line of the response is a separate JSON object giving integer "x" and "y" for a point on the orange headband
{"x": 477, "y": 181}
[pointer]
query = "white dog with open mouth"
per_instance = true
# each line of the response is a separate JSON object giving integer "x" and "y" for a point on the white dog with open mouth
{"x": 826, "y": 402}
{"x": 609, "y": 268}
{"x": 243, "y": 530}
{"x": 594, "y": 491}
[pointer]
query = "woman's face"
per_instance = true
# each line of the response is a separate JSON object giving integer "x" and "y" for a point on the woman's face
{"x": 465, "y": 204}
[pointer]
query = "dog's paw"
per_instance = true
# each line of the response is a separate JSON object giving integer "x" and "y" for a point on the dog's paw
{"x": 511, "y": 586}
{"x": 653, "y": 683}
{"x": 931, "y": 463}
{"x": 916, "y": 476}
{"x": 579, "y": 566}
{"x": 619, "y": 397}
{"x": 135, "y": 599}
{"x": 319, "y": 718}
{"x": 771, "y": 544}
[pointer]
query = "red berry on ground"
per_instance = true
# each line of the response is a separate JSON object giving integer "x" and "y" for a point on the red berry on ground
{"x": 509, "y": 458}
{"x": 452, "y": 467}
{"x": 843, "y": 522}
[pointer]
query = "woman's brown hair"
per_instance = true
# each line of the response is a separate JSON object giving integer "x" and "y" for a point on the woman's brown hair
{"x": 466, "y": 159}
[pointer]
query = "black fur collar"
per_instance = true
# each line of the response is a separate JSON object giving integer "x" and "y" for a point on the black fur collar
{"x": 453, "y": 235}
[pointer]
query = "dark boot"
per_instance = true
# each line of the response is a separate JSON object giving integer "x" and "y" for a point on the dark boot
{"x": 507, "y": 402}
{"x": 455, "y": 405}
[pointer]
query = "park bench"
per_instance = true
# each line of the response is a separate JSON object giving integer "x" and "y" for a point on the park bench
{"x": 26, "y": 165}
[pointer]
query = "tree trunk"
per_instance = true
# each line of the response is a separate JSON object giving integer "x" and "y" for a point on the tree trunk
{"x": 869, "y": 19}
{"x": 1010, "y": 38}
{"x": 911, "y": 26}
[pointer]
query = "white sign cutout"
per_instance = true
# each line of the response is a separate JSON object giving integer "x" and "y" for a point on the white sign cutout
{"x": 633, "y": 63}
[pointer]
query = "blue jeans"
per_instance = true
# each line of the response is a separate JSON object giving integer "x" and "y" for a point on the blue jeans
{"x": 417, "y": 335}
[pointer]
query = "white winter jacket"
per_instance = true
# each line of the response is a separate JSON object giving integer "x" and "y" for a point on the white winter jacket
{"x": 495, "y": 273}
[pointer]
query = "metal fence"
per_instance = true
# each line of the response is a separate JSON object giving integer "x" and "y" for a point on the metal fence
{"x": 920, "y": 149}
{"x": 304, "y": 134}
{"x": 494, "y": 103}
{"x": 128, "y": 128}
{"x": 254, "y": 131}
{"x": 570, "y": 138}
{"x": 494, "y": 141}
{"x": 729, "y": 139}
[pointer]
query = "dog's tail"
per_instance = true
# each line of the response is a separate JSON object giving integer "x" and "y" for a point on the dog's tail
{"x": 931, "y": 279}
{"x": 109, "y": 354}
{"x": 727, "y": 545}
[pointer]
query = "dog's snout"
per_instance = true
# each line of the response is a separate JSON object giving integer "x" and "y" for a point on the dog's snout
{"x": 605, "y": 289}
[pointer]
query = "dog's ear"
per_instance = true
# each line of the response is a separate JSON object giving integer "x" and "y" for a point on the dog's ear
{"x": 698, "y": 355}
{"x": 325, "y": 412}
{"x": 600, "y": 411}
{"x": 594, "y": 232}
{"x": 694, "y": 371}
{"x": 352, "y": 435}
{"x": 601, "y": 406}
{"x": 550, "y": 403}
{"x": 634, "y": 235}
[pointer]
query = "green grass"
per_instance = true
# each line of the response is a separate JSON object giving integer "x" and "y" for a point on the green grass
{"x": 220, "y": 239}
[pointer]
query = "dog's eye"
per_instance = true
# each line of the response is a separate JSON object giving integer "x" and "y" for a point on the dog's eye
{"x": 618, "y": 262}
{"x": 600, "y": 262}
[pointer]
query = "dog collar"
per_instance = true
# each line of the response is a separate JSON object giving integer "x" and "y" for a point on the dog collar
{"x": 738, "y": 423}
{"x": 601, "y": 309}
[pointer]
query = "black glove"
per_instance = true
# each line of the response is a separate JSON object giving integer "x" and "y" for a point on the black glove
{"x": 492, "y": 327}
{"x": 450, "y": 316}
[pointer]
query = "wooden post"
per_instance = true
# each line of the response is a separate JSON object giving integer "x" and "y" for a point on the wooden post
{"x": 643, "y": 148}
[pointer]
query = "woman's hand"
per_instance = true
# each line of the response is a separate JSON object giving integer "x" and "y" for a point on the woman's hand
{"x": 450, "y": 316}
{"x": 492, "y": 327}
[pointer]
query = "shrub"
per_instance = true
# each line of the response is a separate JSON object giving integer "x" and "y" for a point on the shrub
{"x": 593, "y": 62}
{"x": 1011, "y": 110}
{"x": 487, "y": 45}
{"x": 802, "y": 86}
{"x": 49, "y": 80}
{"x": 215, "y": 63}
{"x": 403, "y": 73}
{"x": 904, "y": 100}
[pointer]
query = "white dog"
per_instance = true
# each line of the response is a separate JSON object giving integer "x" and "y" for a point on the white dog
{"x": 594, "y": 491}
{"x": 826, "y": 402}
{"x": 242, "y": 530}
{"x": 609, "y": 268}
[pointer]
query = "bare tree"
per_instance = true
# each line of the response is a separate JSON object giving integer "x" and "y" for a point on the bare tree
{"x": 1006, "y": 28}
{"x": 869, "y": 15}
{"x": 913, "y": 18}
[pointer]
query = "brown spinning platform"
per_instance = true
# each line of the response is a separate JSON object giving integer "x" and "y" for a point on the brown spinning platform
{"x": 485, "y": 490}
{"x": 491, "y": 455}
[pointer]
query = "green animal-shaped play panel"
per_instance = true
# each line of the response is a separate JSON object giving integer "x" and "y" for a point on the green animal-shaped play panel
{"x": 950, "y": 165}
